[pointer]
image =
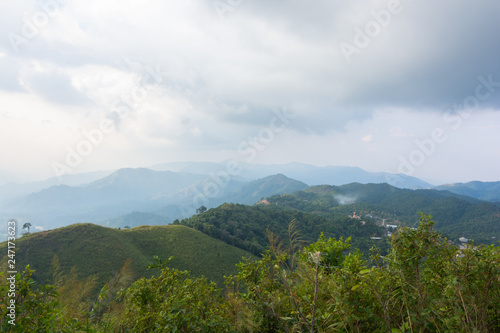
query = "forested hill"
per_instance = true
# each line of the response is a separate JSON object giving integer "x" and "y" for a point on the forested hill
{"x": 246, "y": 226}
{"x": 488, "y": 191}
{"x": 456, "y": 215}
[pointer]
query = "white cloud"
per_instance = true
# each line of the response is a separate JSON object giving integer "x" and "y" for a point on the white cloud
{"x": 211, "y": 83}
{"x": 397, "y": 132}
{"x": 367, "y": 138}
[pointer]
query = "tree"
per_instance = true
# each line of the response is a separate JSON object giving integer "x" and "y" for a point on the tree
{"x": 173, "y": 302}
{"x": 36, "y": 308}
{"x": 202, "y": 209}
{"x": 27, "y": 226}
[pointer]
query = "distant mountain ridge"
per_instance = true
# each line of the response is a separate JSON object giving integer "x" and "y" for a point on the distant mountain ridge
{"x": 487, "y": 191}
{"x": 254, "y": 191}
{"x": 11, "y": 189}
{"x": 166, "y": 194}
{"x": 306, "y": 173}
{"x": 121, "y": 192}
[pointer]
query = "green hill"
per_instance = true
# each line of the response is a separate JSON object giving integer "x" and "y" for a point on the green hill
{"x": 246, "y": 226}
{"x": 488, "y": 191}
{"x": 456, "y": 215}
{"x": 94, "y": 249}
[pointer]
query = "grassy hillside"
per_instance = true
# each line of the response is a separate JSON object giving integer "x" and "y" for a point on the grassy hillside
{"x": 93, "y": 249}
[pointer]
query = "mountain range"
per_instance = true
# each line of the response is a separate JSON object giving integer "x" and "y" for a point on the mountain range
{"x": 164, "y": 193}
{"x": 140, "y": 213}
{"x": 309, "y": 174}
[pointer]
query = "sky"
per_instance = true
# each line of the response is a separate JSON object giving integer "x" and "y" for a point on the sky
{"x": 397, "y": 86}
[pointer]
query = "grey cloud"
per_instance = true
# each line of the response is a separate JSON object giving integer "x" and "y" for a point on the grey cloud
{"x": 435, "y": 58}
{"x": 428, "y": 58}
{"x": 56, "y": 88}
{"x": 268, "y": 55}
{"x": 9, "y": 69}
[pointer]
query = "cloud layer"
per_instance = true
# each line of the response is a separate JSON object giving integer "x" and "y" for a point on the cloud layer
{"x": 191, "y": 80}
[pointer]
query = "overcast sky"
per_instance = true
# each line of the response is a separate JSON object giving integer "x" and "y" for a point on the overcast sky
{"x": 396, "y": 86}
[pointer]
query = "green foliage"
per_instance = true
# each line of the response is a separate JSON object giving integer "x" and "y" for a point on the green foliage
{"x": 36, "y": 306}
{"x": 328, "y": 251}
{"x": 201, "y": 209}
{"x": 289, "y": 298}
{"x": 173, "y": 302}
{"x": 36, "y": 309}
{"x": 423, "y": 285}
{"x": 27, "y": 226}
